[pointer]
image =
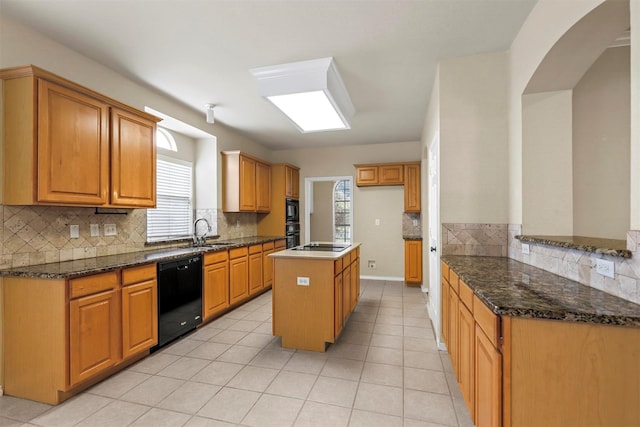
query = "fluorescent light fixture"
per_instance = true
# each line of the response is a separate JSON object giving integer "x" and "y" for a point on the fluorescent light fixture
{"x": 310, "y": 93}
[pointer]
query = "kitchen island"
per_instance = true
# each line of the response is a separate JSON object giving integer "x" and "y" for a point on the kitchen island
{"x": 315, "y": 288}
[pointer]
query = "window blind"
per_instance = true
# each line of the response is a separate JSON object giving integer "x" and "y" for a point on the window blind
{"x": 173, "y": 215}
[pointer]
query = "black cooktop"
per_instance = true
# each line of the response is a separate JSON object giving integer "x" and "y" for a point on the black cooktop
{"x": 326, "y": 247}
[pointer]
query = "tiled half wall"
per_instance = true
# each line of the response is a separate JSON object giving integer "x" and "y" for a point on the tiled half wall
{"x": 38, "y": 234}
{"x": 474, "y": 239}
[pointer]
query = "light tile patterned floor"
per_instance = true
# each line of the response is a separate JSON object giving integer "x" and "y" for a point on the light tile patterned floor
{"x": 385, "y": 370}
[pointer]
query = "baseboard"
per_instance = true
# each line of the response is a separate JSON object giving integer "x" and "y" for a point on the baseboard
{"x": 386, "y": 278}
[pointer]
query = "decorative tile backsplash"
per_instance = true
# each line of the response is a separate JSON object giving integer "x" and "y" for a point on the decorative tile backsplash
{"x": 408, "y": 229}
{"x": 474, "y": 239}
{"x": 580, "y": 266}
{"x": 39, "y": 234}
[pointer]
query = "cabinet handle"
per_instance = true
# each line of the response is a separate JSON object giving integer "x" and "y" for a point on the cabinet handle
{"x": 183, "y": 323}
{"x": 432, "y": 249}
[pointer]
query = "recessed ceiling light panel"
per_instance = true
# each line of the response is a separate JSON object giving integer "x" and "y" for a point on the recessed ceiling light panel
{"x": 310, "y": 93}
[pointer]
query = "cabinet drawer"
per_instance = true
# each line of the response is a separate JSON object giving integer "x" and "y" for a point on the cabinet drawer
{"x": 280, "y": 244}
{"x": 92, "y": 284}
{"x": 213, "y": 257}
{"x": 254, "y": 249}
{"x": 267, "y": 246}
{"x": 453, "y": 280}
{"x": 138, "y": 274}
{"x": 445, "y": 271}
{"x": 466, "y": 294}
{"x": 487, "y": 320}
{"x": 238, "y": 252}
{"x": 337, "y": 265}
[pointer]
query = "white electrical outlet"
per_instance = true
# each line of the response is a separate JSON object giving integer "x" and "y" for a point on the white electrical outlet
{"x": 371, "y": 264}
{"x": 110, "y": 230}
{"x": 605, "y": 268}
{"x": 94, "y": 230}
{"x": 415, "y": 222}
{"x": 525, "y": 248}
{"x": 74, "y": 231}
{"x": 377, "y": 221}
{"x": 303, "y": 281}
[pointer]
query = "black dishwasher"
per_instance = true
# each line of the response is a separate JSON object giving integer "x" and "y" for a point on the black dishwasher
{"x": 179, "y": 297}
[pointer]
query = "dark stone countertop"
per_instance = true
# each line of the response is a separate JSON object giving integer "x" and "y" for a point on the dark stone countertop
{"x": 83, "y": 267}
{"x": 594, "y": 245}
{"x": 511, "y": 288}
{"x": 412, "y": 237}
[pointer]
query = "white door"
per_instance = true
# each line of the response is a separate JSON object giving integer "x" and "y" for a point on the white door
{"x": 434, "y": 238}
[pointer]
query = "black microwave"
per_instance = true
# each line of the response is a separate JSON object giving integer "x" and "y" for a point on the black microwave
{"x": 292, "y": 210}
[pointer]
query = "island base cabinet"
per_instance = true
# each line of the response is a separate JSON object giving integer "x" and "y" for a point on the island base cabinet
{"x": 548, "y": 385}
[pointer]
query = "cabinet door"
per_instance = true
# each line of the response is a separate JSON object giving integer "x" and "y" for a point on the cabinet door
{"x": 288, "y": 182}
{"x": 216, "y": 288}
{"x": 391, "y": 175}
{"x": 255, "y": 273}
{"x": 247, "y": 184}
{"x": 366, "y": 175}
{"x": 453, "y": 329}
{"x": 466, "y": 332}
{"x": 263, "y": 187}
{"x": 295, "y": 183}
{"x": 139, "y": 317}
{"x": 355, "y": 283}
{"x": 133, "y": 160}
{"x": 267, "y": 269}
{"x": 346, "y": 292}
{"x": 413, "y": 261}
{"x": 238, "y": 279}
{"x": 94, "y": 335}
{"x": 488, "y": 382}
{"x": 337, "y": 304}
{"x": 412, "y": 188}
{"x": 73, "y": 147}
{"x": 444, "y": 303}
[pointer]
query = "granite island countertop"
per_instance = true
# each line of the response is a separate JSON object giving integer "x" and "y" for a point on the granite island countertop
{"x": 83, "y": 267}
{"x": 512, "y": 288}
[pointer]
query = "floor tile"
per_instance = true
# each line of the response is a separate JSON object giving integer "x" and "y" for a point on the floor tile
{"x": 154, "y": 363}
{"x": 354, "y": 337}
{"x": 425, "y": 380}
{"x": 377, "y": 373}
{"x": 264, "y": 328}
{"x": 389, "y": 356}
{"x": 424, "y": 344}
{"x": 412, "y": 331}
{"x": 389, "y": 320}
{"x": 205, "y": 333}
{"x": 417, "y": 322}
{"x": 421, "y": 360}
{"x": 184, "y": 368}
{"x": 381, "y": 328}
{"x": 368, "y": 419}
{"x": 189, "y": 397}
{"x": 259, "y": 316}
{"x": 306, "y": 362}
{"x": 343, "y": 368}
{"x": 254, "y": 339}
{"x": 334, "y": 391}
{"x": 390, "y": 311}
{"x": 218, "y": 373}
{"x": 388, "y": 341}
{"x": 182, "y": 347}
{"x": 230, "y": 404}
{"x": 239, "y": 354}
{"x": 209, "y": 350}
{"x": 197, "y": 421}
{"x": 417, "y": 423}
{"x": 273, "y": 411}
{"x": 431, "y": 407}
{"x": 244, "y": 325}
{"x": 117, "y": 413}
{"x": 292, "y": 384}
{"x": 273, "y": 359}
{"x": 118, "y": 384}
{"x": 152, "y": 391}
{"x": 72, "y": 411}
{"x": 161, "y": 418}
{"x": 354, "y": 325}
{"x": 223, "y": 323}
{"x": 8, "y": 422}
{"x": 21, "y": 409}
{"x": 379, "y": 398}
{"x": 314, "y": 414}
{"x": 348, "y": 351}
{"x": 253, "y": 378}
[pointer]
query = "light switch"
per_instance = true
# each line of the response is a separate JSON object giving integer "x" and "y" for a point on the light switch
{"x": 377, "y": 221}
{"x": 94, "y": 230}
{"x": 74, "y": 231}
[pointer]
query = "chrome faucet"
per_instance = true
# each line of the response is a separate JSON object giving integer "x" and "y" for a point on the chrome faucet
{"x": 200, "y": 240}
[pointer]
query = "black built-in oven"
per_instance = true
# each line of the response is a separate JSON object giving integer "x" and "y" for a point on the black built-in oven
{"x": 292, "y": 211}
{"x": 292, "y": 234}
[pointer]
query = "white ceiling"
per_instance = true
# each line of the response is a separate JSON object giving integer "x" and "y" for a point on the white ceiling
{"x": 201, "y": 51}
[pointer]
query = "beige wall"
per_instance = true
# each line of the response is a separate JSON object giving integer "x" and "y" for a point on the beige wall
{"x": 473, "y": 139}
{"x": 547, "y": 178}
{"x": 321, "y": 219}
{"x": 368, "y": 203}
{"x": 601, "y": 148}
{"x": 634, "y": 216}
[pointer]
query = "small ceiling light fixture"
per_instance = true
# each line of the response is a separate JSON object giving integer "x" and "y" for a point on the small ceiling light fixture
{"x": 310, "y": 93}
{"x": 209, "y": 113}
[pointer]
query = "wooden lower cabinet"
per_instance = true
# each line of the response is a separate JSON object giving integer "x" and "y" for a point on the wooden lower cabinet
{"x": 94, "y": 335}
{"x": 452, "y": 347}
{"x": 413, "y": 261}
{"x": 466, "y": 354}
{"x": 215, "y": 284}
{"x": 256, "y": 264}
{"x": 337, "y": 304}
{"x": 238, "y": 275}
{"x": 139, "y": 310}
{"x": 267, "y": 265}
{"x": 445, "y": 319}
{"x": 487, "y": 403}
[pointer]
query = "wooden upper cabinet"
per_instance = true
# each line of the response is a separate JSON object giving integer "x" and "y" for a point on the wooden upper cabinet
{"x": 380, "y": 174}
{"x": 391, "y": 175}
{"x": 73, "y": 147}
{"x": 292, "y": 182}
{"x": 133, "y": 160}
{"x": 59, "y": 149}
{"x": 412, "y": 187}
{"x": 366, "y": 175}
{"x": 246, "y": 183}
